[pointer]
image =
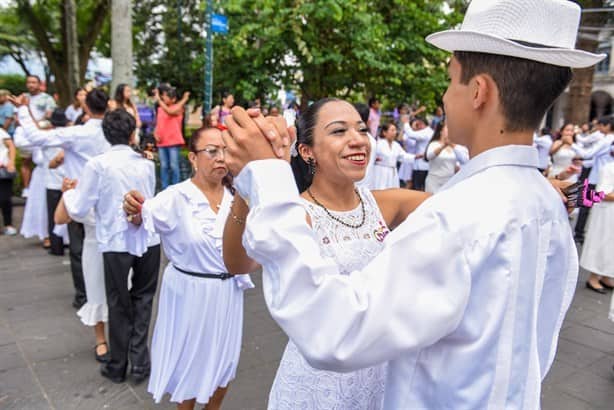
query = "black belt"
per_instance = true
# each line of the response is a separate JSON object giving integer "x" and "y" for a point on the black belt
{"x": 222, "y": 276}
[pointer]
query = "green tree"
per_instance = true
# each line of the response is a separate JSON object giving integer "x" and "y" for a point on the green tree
{"x": 167, "y": 47}
{"x": 344, "y": 48}
{"x": 46, "y": 21}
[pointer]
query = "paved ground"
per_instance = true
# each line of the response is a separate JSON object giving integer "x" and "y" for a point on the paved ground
{"x": 47, "y": 359}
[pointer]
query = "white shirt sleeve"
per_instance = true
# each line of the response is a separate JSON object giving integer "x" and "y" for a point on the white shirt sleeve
{"x": 42, "y": 138}
{"x": 84, "y": 197}
{"x": 160, "y": 213}
{"x": 595, "y": 150}
{"x": 589, "y": 139}
{"x": 430, "y": 152}
{"x": 416, "y": 135}
{"x": 343, "y": 323}
{"x": 462, "y": 154}
{"x": 402, "y": 155}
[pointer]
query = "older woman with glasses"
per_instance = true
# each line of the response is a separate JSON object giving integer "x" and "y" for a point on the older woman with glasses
{"x": 197, "y": 337}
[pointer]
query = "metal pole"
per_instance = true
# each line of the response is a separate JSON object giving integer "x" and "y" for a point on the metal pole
{"x": 208, "y": 95}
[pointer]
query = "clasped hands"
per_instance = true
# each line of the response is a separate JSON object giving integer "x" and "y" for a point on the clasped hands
{"x": 251, "y": 137}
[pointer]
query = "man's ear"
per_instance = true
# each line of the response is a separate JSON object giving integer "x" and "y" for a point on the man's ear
{"x": 484, "y": 90}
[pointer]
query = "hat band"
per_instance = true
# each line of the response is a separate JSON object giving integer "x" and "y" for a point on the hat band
{"x": 533, "y": 45}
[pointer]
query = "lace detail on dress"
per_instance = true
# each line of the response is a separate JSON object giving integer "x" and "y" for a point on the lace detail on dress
{"x": 299, "y": 386}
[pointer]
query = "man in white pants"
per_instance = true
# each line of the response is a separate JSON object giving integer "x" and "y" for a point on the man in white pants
{"x": 466, "y": 300}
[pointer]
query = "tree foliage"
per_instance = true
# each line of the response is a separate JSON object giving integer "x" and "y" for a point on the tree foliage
{"x": 39, "y": 25}
{"x": 344, "y": 48}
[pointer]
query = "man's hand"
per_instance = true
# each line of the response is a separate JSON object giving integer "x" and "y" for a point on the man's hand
{"x": 249, "y": 139}
{"x": 133, "y": 202}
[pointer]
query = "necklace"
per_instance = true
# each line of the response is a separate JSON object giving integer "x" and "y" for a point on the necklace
{"x": 334, "y": 218}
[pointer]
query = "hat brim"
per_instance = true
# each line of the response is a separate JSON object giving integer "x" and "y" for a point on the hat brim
{"x": 457, "y": 40}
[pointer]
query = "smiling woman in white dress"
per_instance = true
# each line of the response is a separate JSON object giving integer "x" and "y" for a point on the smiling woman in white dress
{"x": 443, "y": 157}
{"x": 351, "y": 224}
{"x": 388, "y": 153}
{"x": 197, "y": 336}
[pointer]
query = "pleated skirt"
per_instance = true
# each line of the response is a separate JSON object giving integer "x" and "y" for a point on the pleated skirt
{"x": 35, "y": 213}
{"x": 197, "y": 337}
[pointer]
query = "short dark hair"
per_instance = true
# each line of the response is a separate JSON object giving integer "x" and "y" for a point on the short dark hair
{"x": 527, "y": 88}
{"x": 605, "y": 120}
{"x": 546, "y": 131}
{"x": 372, "y": 101}
{"x": 363, "y": 110}
{"x": 97, "y": 100}
{"x": 33, "y": 76}
{"x": 118, "y": 125}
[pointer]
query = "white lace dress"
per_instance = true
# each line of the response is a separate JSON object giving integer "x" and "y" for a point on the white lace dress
{"x": 297, "y": 385}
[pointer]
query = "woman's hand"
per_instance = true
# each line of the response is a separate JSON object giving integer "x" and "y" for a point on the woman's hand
{"x": 68, "y": 183}
{"x": 10, "y": 167}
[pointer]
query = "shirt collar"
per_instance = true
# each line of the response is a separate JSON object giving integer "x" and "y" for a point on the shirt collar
{"x": 518, "y": 155}
{"x": 195, "y": 195}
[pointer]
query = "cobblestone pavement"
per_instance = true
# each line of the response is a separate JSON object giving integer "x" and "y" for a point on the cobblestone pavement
{"x": 47, "y": 357}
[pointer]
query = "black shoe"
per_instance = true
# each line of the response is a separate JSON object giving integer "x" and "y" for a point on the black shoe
{"x": 102, "y": 358}
{"x": 594, "y": 289}
{"x": 55, "y": 253}
{"x": 605, "y": 285}
{"x": 139, "y": 374}
{"x": 104, "y": 371}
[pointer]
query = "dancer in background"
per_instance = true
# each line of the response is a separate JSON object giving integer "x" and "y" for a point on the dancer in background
{"x": 444, "y": 158}
{"x": 200, "y": 310}
{"x": 387, "y": 153}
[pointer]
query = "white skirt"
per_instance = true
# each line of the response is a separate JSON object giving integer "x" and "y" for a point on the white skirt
{"x": 35, "y": 213}
{"x": 597, "y": 250}
{"x": 385, "y": 177}
{"x": 197, "y": 337}
{"x": 297, "y": 385}
{"x": 95, "y": 309}
{"x": 405, "y": 171}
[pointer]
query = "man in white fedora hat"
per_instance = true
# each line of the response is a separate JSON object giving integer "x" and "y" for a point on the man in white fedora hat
{"x": 471, "y": 320}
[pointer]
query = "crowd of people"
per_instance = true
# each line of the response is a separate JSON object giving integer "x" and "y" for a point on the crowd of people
{"x": 324, "y": 201}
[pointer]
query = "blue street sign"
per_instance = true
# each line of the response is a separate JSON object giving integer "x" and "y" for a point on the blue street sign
{"x": 219, "y": 23}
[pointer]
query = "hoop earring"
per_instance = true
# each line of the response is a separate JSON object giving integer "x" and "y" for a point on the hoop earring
{"x": 311, "y": 163}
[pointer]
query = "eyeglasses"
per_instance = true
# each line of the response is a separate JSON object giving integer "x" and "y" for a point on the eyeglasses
{"x": 213, "y": 151}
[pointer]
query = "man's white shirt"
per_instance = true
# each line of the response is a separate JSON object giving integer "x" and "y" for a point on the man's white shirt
{"x": 466, "y": 300}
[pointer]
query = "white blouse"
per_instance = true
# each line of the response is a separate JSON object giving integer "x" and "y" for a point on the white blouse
{"x": 444, "y": 164}
{"x": 388, "y": 155}
{"x": 190, "y": 231}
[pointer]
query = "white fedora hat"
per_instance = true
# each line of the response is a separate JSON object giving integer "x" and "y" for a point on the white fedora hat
{"x": 538, "y": 30}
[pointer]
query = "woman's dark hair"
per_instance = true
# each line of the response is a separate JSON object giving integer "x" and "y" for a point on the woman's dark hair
{"x": 76, "y": 93}
{"x": 192, "y": 146}
{"x": 363, "y": 111}
{"x": 119, "y": 95}
{"x": 118, "y": 126}
{"x": 384, "y": 128}
{"x": 305, "y": 124}
{"x": 527, "y": 88}
{"x": 225, "y": 94}
{"x": 436, "y": 136}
